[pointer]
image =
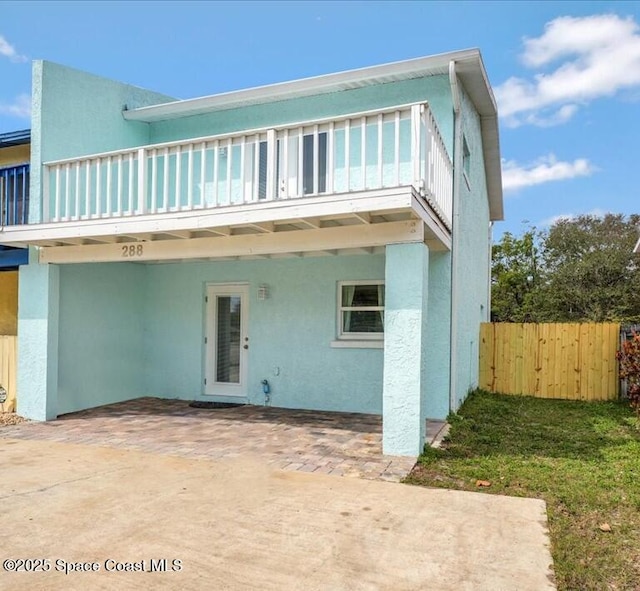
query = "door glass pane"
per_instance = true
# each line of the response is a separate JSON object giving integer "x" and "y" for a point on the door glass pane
{"x": 228, "y": 339}
{"x": 262, "y": 171}
{"x": 309, "y": 163}
{"x": 322, "y": 162}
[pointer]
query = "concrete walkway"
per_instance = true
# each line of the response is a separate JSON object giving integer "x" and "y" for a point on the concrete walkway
{"x": 236, "y": 525}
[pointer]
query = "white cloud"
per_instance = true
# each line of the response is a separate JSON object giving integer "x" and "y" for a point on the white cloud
{"x": 562, "y": 115}
{"x": 21, "y": 107}
{"x": 597, "y": 212}
{"x": 8, "y": 50}
{"x": 586, "y": 58}
{"x": 544, "y": 170}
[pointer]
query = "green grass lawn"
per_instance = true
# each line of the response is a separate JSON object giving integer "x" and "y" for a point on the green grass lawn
{"x": 583, "y": 459}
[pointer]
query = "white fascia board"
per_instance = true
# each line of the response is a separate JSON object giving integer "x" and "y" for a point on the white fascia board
{"x": 474, "y": 79}
{"x": 299, "y": 241}
{"x": 637, "y": 248}
{"x": 492, "y": 166}
{"x": 435, "y": 229}
{"x": 413, "y": 68}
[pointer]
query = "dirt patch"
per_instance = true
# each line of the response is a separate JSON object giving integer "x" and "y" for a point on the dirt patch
{"x": 10, "y": 418}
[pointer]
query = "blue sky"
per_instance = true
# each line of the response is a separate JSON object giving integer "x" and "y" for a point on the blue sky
{"x": 566, "y": 74}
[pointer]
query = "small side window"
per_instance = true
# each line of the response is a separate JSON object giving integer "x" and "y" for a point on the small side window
{"x": 466, "y": 159}
{"x": 361, "y": 310}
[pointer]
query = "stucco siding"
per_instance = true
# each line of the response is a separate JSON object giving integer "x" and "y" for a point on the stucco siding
{"x": 290, "y": 332}
{"x": 434, "y": 89}
{"x": 76, "y": 114}
{"x": 437, "y": 338}
{"x": 471, "y": 272}
{"x": 133, "y": 330}
{"x": 101, "y": 340}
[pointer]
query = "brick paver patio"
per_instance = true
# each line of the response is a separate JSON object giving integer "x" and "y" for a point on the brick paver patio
{"x": 345, "y": 444}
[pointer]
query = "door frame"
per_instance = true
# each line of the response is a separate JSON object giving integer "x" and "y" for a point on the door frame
{"x": 211, "y": 387}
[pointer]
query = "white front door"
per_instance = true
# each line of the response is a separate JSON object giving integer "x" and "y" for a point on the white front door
{"x": 227, "y": 341}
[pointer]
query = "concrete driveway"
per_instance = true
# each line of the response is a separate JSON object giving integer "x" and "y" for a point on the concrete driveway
{"x": 236, "y": 524}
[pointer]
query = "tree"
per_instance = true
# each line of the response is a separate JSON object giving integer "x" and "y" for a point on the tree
{"x": 580, "y": 270}
{"x": 515, "y": 277}
{"x": 591, "y": 273}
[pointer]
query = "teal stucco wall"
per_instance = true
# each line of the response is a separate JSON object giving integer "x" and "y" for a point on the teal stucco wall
{"x": 405, "y": 348}
{"x": 133, "y": 330}
{"x": 77, "y": 114}
{"x": 38, "y": 329}
{"x": 434, "y": 89}
{"x": 101, "y": 341}
{"x": 438, "y": 337}
{"x": 471, "y": 272}
{"x": 291, "y": 330}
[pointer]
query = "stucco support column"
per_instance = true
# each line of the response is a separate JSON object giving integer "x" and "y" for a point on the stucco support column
{"x": 38, "y": 304}
{"x": 438, "y": 341}
{"x": 404, "y": 382}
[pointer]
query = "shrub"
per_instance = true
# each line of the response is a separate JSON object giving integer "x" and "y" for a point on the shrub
{"x": 629, "y": 358}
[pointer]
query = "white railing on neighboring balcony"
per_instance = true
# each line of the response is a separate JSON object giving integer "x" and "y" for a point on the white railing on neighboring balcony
{"x": 374, "y": 150}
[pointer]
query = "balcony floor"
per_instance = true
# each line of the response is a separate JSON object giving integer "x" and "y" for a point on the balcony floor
{"x": 335, "y": 224}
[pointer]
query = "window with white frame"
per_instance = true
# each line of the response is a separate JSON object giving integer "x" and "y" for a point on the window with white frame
{"x": 361, "y": 310}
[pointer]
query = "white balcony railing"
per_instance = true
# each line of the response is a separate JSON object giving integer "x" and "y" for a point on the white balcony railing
{"x": 367, "y": 151}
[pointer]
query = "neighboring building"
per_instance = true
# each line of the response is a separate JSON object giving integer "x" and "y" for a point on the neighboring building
{"x": 329, "y": 235}
{"x": 14, "y": 203}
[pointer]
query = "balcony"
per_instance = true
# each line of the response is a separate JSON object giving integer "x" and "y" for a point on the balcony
{"x": 368, "y": 168}
{"x": 14, "y": 195}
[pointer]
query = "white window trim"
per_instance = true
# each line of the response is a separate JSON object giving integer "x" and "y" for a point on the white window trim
{"x": 358, "y": 338}
{"x": 351, "y": 344}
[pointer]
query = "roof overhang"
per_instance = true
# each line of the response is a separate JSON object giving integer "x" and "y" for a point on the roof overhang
{"x": 473, "y": 77}
{"x": 327, "y": 83}
{"x": 469, "y": 68}
{"x": 15, "y": 138}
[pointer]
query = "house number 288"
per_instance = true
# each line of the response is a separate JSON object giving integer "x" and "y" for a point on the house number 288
{"x": 132, "y": 250}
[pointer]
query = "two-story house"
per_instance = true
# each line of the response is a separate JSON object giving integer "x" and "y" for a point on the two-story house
{"x": 327, "y": 239}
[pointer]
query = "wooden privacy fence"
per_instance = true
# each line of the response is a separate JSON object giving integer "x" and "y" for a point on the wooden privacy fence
{"x": 569, "y": 361}
{"x": 8, "y": 356}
